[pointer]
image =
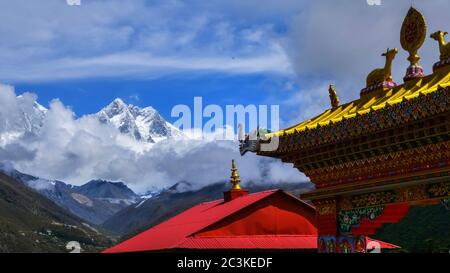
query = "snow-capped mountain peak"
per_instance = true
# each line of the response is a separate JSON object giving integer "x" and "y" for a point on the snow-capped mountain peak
{"x": 119, "y": 115}
{"x": 142, "y": 124}
{"x": 28, "y": 120}
{"x": 117, "y": 105}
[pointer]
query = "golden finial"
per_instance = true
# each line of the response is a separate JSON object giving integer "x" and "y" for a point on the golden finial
{"x": 412, "y": 36}
{"x": 334, "y": 99}
{"x": 235, "y": 179}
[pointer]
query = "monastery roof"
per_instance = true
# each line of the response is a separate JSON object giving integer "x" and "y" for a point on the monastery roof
{"x": 375, "y": 101}
{"x": 174, "y": 231}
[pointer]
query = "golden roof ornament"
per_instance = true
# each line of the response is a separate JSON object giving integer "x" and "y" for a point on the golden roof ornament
{"x": 444, "y": 49}
{"x": 412, "y": 36}
{"x": 384, "y": 74}
{"x": 334, "y": 99}
{"x": 235, "y": 179}
{"x": 381, "y": 78}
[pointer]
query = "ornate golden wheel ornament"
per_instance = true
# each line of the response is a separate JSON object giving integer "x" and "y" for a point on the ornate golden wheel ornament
{"x": 412, "y": 36}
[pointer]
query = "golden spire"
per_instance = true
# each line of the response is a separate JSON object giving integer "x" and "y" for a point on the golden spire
{"x": 334, "y": 99}
{"x": 413, "y": 34}
{"x": 235, "y": 179}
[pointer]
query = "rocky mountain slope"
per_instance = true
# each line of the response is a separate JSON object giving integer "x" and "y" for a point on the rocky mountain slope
{"x": 94, "y": 202}
{"x": 29, "y": 222}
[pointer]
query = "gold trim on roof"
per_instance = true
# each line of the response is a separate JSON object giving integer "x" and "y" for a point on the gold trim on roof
{"x": 376, "y": 101}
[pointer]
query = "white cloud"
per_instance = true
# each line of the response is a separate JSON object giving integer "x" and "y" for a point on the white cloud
{"x": 343, "y": 40}
{"x": 41, "y": 185}
{"x": 307, "y": 103}
{"x": 50, "y": 40}
{"x": 77, "y": 150}
{"x": 141, "y": 64}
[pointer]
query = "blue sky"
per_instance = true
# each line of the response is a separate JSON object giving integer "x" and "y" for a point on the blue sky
{"x": 166, "y": 52}
{"x": 155, "y": 53}
{"x": 162, "y": 53}
{"x": 88, "y": 96}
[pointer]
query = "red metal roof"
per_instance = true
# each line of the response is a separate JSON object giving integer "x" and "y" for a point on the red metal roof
{"x": 182, "y": 230}
{"x": 172, "y": 232}
{"x": 252, "y": 242}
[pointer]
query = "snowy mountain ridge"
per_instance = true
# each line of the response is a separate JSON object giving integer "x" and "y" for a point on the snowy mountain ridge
{"x": 142, "y": 124}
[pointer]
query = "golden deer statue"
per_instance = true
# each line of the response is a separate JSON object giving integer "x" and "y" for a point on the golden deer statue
{"x": 381, "y": 75}
{"x": 444, "y": 47}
